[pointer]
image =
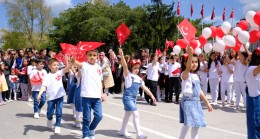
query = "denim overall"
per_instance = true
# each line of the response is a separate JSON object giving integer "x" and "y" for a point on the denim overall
{"x": 71, "y": 90}
{"x": 78, "y": 99}
{"x": 190, "y": 108}
{"x": 129, "y": 96}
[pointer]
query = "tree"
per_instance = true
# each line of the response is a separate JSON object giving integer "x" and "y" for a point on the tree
{"x": 32, "y": 18}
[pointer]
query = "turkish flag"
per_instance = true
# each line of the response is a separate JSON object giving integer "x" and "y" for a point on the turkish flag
{"x": 232, "y": 13}
{"x": 213, "y": 13}
{"x": 176, "y": 71}
{"x": 14, "y": 79}
{"x": 169, "y": 44}
{"x": 81, "y": 56}
{"x": 178, "y": 8}
{"x": 187, "y": 30}
{"x": 68, "y": 49}
{"x": 191, "y": 10}
{"x": 36, "y": 79}
{"x": 202, "y": 11}
{"x": 87, "y": 46}
{"x": 123, "y": 33}
{"x": 60, "y": 57}
{"x": 224, "y": 14}
{"x": 158, "y": 52}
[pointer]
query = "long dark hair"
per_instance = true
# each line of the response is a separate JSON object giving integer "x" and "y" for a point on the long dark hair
{"x": 255, "y": 59}
{"x": 183, "y": 66}
{"x": 210, "y": 60}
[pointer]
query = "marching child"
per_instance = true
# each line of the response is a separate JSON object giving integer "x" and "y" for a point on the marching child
{"x": 23, "y": 79}
{"x": 71, "y": 88}
{"x": 3, "y": 84}
{"x": 36, "y": 78}
{"x": 13, "y": 80}
{"x": 78, "y": 100}
{"x": 132, "y": 84}
{"x": 91, "y": 93}
{"x": 55, "y": 91}
{"x": 191, "y": 114}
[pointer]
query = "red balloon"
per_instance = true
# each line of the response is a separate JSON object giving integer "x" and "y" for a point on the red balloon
{"x": 214, "y": 31}
{"x": 219, "y": 32}
{"x": 254, "y": 36}
{"x": 202, "y": 40}
{"x": 257, "y": 18}
{"x": 243, "y": 25}
{"x": 237, "y": 47}
{"x": 193, "y": 43}
{"x": 227, "y": 47}
{"x": 182, "y": 43}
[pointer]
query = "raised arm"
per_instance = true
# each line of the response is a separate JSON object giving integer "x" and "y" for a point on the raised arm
{"x": 124, "y": 64}
{"x": 75, "y": 62}
{"x": 185, "y": 73}
{"x": 68, "y": 66}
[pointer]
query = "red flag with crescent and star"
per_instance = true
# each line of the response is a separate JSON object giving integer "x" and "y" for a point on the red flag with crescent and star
{"x": 169, "y": 44}
{"x": 178, "y": 9}
{"x": 68, "y": 49}
{"x": 88, "y": 46}
{"x": 187, "y": 30}
{"x": 60, "y": 57}
{"x": 123, "y": 33}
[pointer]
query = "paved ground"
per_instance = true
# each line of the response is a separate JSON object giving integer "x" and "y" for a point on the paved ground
{"x": 160, "y": 122}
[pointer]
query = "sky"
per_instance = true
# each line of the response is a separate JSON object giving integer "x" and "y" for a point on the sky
{"x": 240, "y": 8}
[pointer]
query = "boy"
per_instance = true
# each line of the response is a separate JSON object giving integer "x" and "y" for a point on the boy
{"x": 36, "y": 78}
{"x": 55, "y": 91}
{"x": 91, "y": 93}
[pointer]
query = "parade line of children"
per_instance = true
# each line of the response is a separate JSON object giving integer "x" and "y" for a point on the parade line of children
{"x": 164, "y": 76}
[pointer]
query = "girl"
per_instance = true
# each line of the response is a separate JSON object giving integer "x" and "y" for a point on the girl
{"x": 226, "y": 71}
{"x": 132, "y": 84}
{"x": 253, "y": 96}
{"x": 3, "y": 84}
{"x": 203, "y": 74}
{"x": 13, "y": 79}
{"x": 71, "y": 88}
{"x": 161, "y": 83}
{"x": 24, "y": 80}
{"x": 190, "y": 108}
{"x": 213, "y": 77}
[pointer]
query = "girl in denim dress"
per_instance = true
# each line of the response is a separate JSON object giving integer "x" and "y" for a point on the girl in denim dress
{"x": 191, "y": 114}
{"x": 132, "y": 84}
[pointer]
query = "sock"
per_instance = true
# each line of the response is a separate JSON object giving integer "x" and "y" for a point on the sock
{"x": 73, "y": 110}
{"x": 77, "y": 116}
{"x": 194, "y": 133}
{"x": 125, "y": 121}
{"x": 184, "y": 131}
{"x": 106, "y": 91}
{"x": 163, "y": 93}
{"x": 136, "y": 122}
{"x": 158, "y": 93}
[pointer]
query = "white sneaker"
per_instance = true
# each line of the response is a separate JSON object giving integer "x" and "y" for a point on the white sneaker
{"x": 92, "y": 134}
{"x": 126, "y": 133}
{"x": 91, "y": 137}
{"x": 41, "y": 113}
{"x": 36, "y": 115}
{"x": 7, "y": 100}
{"x": 29, "y": 99}
{"x": 49, "y": 124}
{"x": 10, "y": 100}
{"x": 78, "y": 124}
{"x": 15, "y": 98}
{"x": 142, "y": 136}
{"x": 57, "y": 130}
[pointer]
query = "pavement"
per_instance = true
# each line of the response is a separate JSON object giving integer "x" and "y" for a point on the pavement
{"x": 157, "y": 122}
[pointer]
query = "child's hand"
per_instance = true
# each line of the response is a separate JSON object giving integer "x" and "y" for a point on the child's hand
{"x": 210, "y": 108}
{"x": 103, "y": 97}
{"x": 154, "y": 100}
{"x": 39, "y": 98}
{"x": 72, "y": 60}
{"x": 121, "y": 51}
{"x": 190, "y": 49}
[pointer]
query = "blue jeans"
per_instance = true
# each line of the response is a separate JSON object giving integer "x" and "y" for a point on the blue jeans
{"x": 36, "y": 104}
{"x": 52, "y": 104}
{"x": 88, "y": 104}
{"x": 253, "y": 116}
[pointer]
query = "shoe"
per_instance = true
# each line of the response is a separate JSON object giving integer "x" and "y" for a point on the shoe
{"x": 36, "y": 115}
{"x": 49, "y": 123}
{"x": 126, "y": 133}
{"x": 78, "y": 124}
{"x": 91, "y": 137}
{"x": 10, "y": 100}
{"x": 176, "y": 102}
{"x": 15, "y": 98}
{"x": 57, "y": 130}
{"x": 40, "y": 112}
{"x": 142, "y": 136}
{"x": 92, "y": 134}
{"x": 232, "y": 102}
{"x": 153, "y": 104}
{"x": 86, "y": 138}
{"x": 7, "y": 100}
{"x": 29, "y": 99}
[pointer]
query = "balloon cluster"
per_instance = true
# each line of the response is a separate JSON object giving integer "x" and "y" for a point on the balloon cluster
{"x": 246, "y": 32}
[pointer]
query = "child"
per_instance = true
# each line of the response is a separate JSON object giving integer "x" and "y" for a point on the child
{"x": 226, "y": 71}
{"x": 30, "y": 68}
{"x": 13, "y": 80}
{"x": 132, "y": 84}
{"x": 203, "y": 74}
{"x": 253, "y": 95}
{"x": 190, "y": 108}
{"x": 71, "y": 89}
{"x": 54, "y": 92}
{"x": 78, "y": 100}
{"x": 3, "y": 84}
{"x": 36, "y": 77}
{"x": 91, "y": 90}
{"x": 23, "y": 79}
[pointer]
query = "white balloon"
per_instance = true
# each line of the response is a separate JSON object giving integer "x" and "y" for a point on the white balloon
{"x": 176, "y": 49}
{"x": 243, "y": 37}
{"x": 198, "y": 51}
{"x": 242, "y": 49}
{"x": 254, "y": 28}
{"x": 219, "y": 46}
{"x": 226, "y": 26}
{"x": 217, "y": 38}
{"x": 236, "y": 30}
{"x": 250, "y": 17}
{"x": 198, "y": 43}
{"x": 229, "y": 40}
{"x": 207, "y": 47}
{"x": 206, "y": 32}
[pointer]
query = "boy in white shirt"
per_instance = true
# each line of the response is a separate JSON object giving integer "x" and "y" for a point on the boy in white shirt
{"x": 55, "y": 91}
{"x": 36, "y": 78}
{"x": 91, "y": 93}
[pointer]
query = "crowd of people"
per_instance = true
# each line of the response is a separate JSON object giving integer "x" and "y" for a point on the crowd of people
{"x": 29, "y": 75}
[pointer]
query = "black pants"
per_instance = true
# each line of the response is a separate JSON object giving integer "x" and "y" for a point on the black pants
{"x": 152, "y": 85}
{"x": 174, "y": 82}
{"x": 166, "y": 91}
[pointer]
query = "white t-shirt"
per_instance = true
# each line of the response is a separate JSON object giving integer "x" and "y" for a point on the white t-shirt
{"x": 201, "y": 72}
{"x": 91, "y": 80}
{"x": 213, "y": 74}
{"x": 173, "y": 67}
{"x": 30, "y": 69}
{"x": 153, "y": 71}
{"x": 132, "y": 78}
{"x": 162, "y": 66}
{"x": 240, "y": 71}
{"x": 42, "y": 74}
{"x": 186, "y": 85}
{"x": 226, "y": 76}
{"x": 253, "y": 82}
{"x": 54, "y": 85}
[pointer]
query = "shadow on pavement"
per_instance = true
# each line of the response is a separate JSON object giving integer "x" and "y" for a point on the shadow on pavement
{"x": 110, "y": 133}
{"x": 22, "y": 115}
{"x": 38, "y": 128}
{"x": 117, "y": 97}
{"x": 57, "y": 136}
